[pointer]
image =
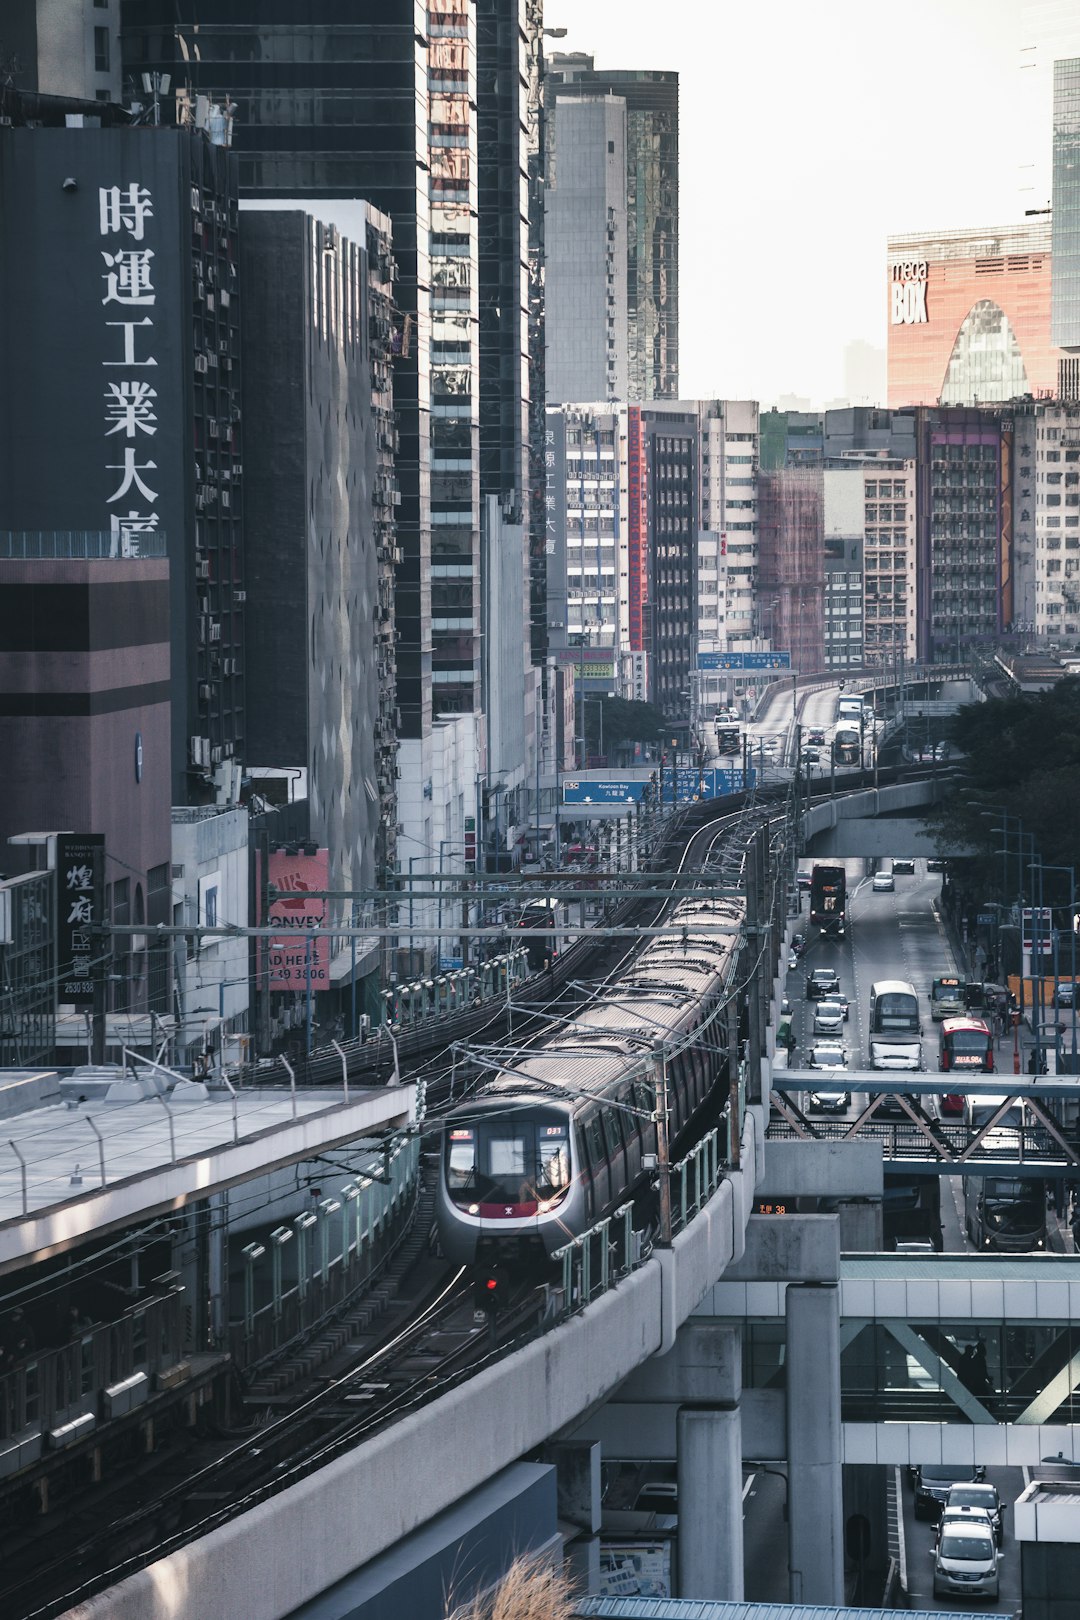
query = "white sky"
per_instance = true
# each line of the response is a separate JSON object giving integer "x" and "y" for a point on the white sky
{"x": 810, "y": 132}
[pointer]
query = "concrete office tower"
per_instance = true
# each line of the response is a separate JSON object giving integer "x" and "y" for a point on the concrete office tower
{"x": 1065, "y": 225}
{"x": 651, "y": 194}
{"x": 317, "y": 407}
{"x": 585, "y": 245}
{"x": 62, "y": 48}
{"x": 120, "y": 315}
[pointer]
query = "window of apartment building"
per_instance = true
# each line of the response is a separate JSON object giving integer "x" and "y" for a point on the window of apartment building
{"x": 101, "y": 50}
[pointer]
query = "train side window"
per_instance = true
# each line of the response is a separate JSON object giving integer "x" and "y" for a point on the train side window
{"x": 595, "y": 1136}
{"x": 613, "y": 1131}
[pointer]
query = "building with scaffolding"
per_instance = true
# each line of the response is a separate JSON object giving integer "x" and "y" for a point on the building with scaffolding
{"x": 791, "y": 566}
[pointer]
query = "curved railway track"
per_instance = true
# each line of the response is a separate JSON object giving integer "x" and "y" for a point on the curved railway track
{"x": 110, "y": 1534}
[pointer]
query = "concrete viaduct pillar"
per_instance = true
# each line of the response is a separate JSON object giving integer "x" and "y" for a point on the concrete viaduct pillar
{"x": 815, "y": 1485}
{"x": 709, "y": 1456}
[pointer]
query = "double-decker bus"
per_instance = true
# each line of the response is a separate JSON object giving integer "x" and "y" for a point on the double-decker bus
{"x": 828, "y": 899}
{"x": 847, "y": 745}
{"x": 965, "y": 1043}
{"x": 1005, "y": 1213}
{"x": 895, "y": 1026}
{"x": 966, "y": 1046}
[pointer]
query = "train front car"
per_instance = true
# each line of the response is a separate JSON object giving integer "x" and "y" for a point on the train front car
{"x": 544, "y": 1151}
{"x": 507, "y": 1172}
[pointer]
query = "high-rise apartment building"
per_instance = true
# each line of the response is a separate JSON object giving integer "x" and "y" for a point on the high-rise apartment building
{"x": 1051, "y": 474}
{"x": 588, "y": 525}
{"x": 671, "y": 453}
{"x": 964, "y": 531}
{"x": 969, "y": 315}
{"x": 127, "y": 417}
{"x": 1065, "y": 296}
{"x": 651, "y": 199}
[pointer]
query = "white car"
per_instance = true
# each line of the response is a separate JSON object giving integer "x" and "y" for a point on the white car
{"x": 829, "y": 1018}
{"x": 826, "y": 1054}
{"x": 883, "y": 883}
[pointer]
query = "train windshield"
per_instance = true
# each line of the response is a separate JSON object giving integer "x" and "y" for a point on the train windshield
{"x": 498, "y": 1162}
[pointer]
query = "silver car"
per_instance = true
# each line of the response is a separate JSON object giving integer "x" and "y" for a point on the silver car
{"x": 966, "y": 1561}
{"x": 829, "y": 1018}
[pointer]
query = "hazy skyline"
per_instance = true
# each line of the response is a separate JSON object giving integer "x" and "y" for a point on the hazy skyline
{"x": 810, "y": 134}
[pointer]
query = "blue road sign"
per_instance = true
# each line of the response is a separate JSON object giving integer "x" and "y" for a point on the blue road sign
{"x": 690, "y": 784}
{"x": 744, "y": 660}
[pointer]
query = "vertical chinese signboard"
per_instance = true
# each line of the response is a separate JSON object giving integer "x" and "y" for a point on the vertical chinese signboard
{"x": 80, "y": 912}
{"x": 125, "y": 220}
{"x": 298, "y": 958}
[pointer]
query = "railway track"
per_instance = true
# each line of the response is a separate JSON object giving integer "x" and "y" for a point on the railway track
{"x": 435, "y": 1342}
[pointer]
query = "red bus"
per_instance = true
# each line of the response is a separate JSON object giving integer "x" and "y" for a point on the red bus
{"x": 967, "y": 1044}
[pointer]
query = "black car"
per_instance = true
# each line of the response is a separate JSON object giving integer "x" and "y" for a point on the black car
{"x": 903, "y": 868}
{"x": 821, "y": 983}
{"x": 1065, "y": 995}
{"x": 934, "y": 1481}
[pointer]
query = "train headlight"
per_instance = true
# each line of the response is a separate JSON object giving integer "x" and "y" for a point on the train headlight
{"x": 474, "y": 1209}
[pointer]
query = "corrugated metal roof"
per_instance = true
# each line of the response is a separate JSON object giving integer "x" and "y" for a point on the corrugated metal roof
{"x": 630, "y": 1608}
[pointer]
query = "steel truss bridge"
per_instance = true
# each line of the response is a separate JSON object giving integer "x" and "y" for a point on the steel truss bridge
{"x": 1047, "y": 1145}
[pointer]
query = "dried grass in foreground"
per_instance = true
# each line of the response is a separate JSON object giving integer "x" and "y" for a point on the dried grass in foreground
{"x": 531, "y": 1589}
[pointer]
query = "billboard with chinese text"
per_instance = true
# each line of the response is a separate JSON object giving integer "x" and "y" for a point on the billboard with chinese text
{"x": 80, "y": 913}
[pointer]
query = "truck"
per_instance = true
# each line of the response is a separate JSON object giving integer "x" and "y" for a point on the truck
{"x": 828, "y": 899}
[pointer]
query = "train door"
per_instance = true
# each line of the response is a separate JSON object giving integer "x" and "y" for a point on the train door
{"x": 599, "y": 1179}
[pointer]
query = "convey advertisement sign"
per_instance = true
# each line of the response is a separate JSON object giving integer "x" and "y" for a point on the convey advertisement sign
{"x": 300, "y": 954}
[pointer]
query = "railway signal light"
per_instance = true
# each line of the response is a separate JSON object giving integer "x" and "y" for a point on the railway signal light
{"x": 491, "y": 1290}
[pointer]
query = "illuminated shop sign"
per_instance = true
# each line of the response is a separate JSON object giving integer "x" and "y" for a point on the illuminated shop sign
{"x": 909, "y": 292}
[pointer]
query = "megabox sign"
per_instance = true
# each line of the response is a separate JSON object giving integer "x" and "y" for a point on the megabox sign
{"x": 908, "y": 292}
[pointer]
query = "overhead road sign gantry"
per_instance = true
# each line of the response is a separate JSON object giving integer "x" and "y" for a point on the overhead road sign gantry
{"x": 744, "y": 660}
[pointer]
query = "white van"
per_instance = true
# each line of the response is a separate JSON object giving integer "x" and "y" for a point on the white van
{"x": 965, "y": 1560}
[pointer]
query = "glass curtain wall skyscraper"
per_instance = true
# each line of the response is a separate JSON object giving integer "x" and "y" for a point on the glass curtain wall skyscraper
{"x": 652, "y": 208}
{"x": 1065, "y": 276}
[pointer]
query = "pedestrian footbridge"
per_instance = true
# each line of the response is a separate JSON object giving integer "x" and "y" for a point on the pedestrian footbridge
{"x": 951, "y": 1357}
